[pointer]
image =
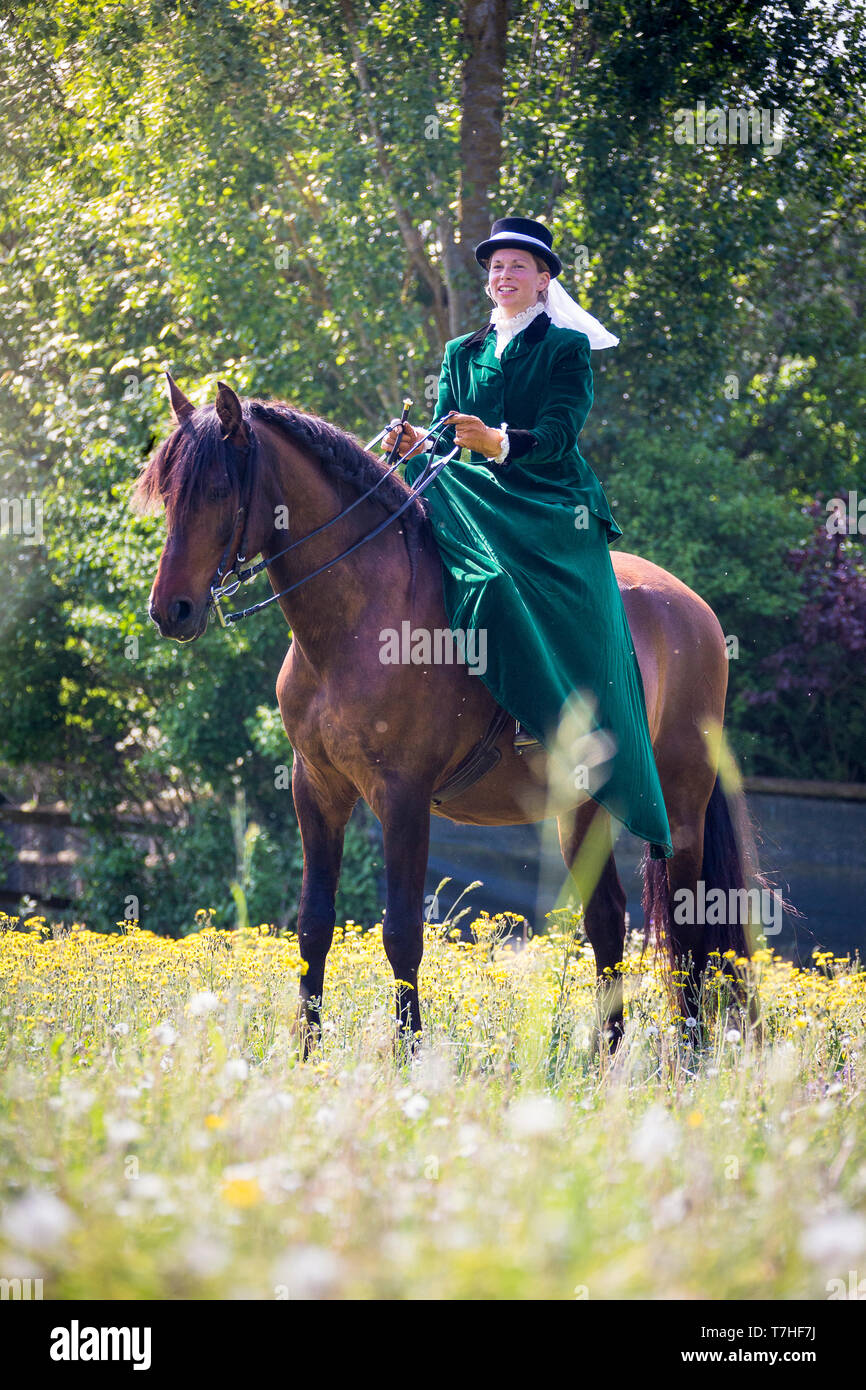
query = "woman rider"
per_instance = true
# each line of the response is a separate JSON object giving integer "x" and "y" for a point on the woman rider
{"x": 523, "y": 526}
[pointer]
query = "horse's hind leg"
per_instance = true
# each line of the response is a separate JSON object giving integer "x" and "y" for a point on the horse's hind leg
{"x": 586, "y": 844}
{"x": 323, "y": 812}
{"x": 674, "y": 887}
{"x": 688, "y": 945}
{"x": 709, "y": 865}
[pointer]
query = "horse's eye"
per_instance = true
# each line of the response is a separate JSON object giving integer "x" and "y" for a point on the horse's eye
{"x": 219, "y": 494}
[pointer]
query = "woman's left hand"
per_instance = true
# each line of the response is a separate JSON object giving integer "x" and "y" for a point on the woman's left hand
{"x": 472, "y": 433}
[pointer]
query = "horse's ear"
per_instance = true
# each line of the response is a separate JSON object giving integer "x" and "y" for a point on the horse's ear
{"x": 230, "y": 414}
{"x": 180, "y": 406}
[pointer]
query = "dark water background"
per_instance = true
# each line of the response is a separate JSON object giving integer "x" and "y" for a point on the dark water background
{"x": 813, "y": 848}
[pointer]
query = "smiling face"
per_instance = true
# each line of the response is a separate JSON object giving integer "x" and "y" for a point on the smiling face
{"x": 515, "y": 280}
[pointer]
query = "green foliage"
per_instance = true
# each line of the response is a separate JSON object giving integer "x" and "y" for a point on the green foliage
{"x": 7, "y": 852}
{"x": 209, "y": 187}
{"x": 123, "y": 878}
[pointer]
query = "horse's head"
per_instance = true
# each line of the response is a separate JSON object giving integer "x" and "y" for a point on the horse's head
{"x": 201, "y": 475}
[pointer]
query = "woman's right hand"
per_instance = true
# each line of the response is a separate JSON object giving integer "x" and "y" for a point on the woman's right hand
{"x": 410, "y": 437}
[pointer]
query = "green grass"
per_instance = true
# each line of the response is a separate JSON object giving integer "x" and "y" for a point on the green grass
{"x": 160, "y": 1139}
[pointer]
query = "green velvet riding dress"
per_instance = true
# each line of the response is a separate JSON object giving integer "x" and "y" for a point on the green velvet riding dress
{"x": 525, "y": 558}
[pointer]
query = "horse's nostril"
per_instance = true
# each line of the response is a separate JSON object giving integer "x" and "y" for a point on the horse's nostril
{"x": 179, "y": 610}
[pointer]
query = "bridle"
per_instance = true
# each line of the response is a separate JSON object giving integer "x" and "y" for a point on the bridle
{"x": 228, "y": 578}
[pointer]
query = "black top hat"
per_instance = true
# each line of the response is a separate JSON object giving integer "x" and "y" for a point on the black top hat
{"x": 523, "y": 234}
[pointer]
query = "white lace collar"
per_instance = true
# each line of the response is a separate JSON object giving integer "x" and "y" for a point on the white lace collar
{"x": 506, "y": 328}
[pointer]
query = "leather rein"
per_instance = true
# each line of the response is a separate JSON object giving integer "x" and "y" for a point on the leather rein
{"x": 228, "y": 578}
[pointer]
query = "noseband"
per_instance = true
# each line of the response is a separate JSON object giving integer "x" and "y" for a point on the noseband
{"x": 228, "y": 578}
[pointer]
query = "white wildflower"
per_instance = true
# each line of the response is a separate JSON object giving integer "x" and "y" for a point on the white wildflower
{"x": 76, "y": 1099}
{"x": 534, "y": 1116}
{"x": 280, "y": 1101}
{"x": 655, "y": 1137}
{"x": 670, "y": 1210}
{"x": 204, "y": 1256}
{"x": 469, "y": 1137}
{"x": 202, "y": 1003}
{"x": 150, "y": 1187}
{"x": 308, "y": 1272}
{"x": 37, "y": 1221}
{"x": 415, "y": 1107}
{"x": 121, "y": 1131}
{"x": 834, "y": 1238}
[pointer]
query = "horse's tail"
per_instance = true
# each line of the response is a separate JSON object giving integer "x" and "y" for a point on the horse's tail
{"x": 729, "y": 862}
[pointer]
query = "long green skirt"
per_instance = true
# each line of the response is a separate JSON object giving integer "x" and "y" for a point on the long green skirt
{"x": 531, "y": 572}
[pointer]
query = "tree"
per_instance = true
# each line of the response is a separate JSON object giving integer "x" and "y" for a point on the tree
{"x": 288, "y": 198}
{"x": 816, "y": 681}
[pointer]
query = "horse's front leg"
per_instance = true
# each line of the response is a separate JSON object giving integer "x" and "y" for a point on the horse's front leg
{"x": 323, "y": 807}
{"x": 406, "y": 838}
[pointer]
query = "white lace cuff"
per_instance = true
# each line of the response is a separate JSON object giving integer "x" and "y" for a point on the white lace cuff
{"x": 505, "y": 446}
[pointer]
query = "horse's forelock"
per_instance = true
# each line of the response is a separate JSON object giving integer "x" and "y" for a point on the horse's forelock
{"x": 183, "y": 467}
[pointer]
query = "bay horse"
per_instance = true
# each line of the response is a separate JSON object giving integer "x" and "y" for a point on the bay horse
{"x": 392, "y": 733}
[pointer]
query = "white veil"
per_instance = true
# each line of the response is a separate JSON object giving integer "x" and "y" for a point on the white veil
{"x": 565, "y": 312}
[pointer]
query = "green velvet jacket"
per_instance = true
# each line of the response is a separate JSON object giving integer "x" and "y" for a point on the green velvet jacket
{"x": 526, "y": 559}
{"x": 541, "y": 387}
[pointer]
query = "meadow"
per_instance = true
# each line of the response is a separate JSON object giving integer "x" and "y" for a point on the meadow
{"x": 160, "y": 1139}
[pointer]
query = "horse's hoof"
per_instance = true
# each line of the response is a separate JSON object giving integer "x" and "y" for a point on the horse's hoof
{"x": 606, "y": 1040}
{"x": 306, "y": 1034}
{"x": 406, "y": 1044}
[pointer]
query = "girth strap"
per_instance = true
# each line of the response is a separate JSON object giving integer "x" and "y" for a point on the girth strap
{"x": 478, "y": 761}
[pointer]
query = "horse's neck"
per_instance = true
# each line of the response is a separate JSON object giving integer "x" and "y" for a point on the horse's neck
{"x": 349, "y": 597}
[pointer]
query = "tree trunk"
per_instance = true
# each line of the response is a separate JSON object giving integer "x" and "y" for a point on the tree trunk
{"x": 484, "y": 24}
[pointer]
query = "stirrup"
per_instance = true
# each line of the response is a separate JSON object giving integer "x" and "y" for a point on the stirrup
{"x": 522, "y": 737}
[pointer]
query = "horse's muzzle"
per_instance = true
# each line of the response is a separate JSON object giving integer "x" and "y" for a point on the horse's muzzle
{"x": 183, "y": 620}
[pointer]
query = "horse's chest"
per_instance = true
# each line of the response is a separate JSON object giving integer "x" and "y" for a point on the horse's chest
{"x": 318, "y": 725}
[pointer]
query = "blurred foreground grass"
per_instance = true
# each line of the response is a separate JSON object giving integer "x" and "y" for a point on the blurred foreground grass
{"x": 159, "y": 1139}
